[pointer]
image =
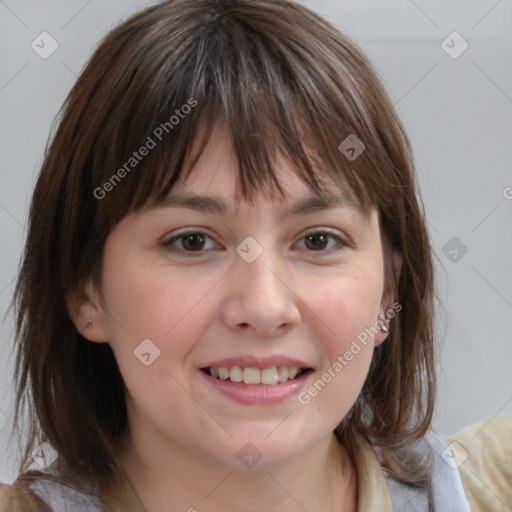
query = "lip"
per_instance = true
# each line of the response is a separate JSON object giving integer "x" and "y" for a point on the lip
{"x": 258, "y": 362}
{"x": 257, "y": 393}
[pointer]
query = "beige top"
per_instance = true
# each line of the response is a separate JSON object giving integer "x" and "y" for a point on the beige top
{"x": 482, "y": 454}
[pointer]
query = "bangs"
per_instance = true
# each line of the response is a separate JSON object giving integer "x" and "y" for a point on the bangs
{"x": 274, "y": 97}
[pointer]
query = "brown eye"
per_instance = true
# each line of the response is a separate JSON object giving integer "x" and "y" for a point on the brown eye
{"x": 317, "y": 242}
{"x": 193, "y": 241}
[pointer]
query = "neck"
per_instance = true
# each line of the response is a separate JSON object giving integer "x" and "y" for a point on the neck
{"x": 321, "y": 479}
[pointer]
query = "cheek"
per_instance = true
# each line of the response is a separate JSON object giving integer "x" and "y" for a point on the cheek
{"x": 150, "y": 301}
{"x": 350, "y": 306}
{"x": 346, "y": 315}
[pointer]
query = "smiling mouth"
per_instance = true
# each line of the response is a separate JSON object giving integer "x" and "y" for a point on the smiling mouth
{"x": 255, "y": 376}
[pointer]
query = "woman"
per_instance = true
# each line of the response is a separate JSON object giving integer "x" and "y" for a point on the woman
{"x": 226, "y": 298}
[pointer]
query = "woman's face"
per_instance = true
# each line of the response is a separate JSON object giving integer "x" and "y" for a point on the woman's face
{"x": 247, "y": 292}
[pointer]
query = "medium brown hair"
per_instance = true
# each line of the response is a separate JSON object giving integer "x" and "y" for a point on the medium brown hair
{"x": 283, "y": 81}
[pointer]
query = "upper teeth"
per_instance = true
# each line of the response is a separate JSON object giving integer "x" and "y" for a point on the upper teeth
{"x": 268, "y": 376}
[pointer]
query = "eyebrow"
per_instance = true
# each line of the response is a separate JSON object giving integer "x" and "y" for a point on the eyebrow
{"x": 304, "y": 206}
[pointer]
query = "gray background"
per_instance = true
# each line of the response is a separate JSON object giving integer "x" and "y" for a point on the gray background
{"x": 457, "y": 112}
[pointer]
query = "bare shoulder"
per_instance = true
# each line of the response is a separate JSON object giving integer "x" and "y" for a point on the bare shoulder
{"x": 483, "y": 456}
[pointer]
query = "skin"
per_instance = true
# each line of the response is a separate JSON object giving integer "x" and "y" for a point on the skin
{"x": 184, "y": 436}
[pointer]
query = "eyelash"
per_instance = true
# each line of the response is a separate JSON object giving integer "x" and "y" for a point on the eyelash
{"x": 167, "y": 244}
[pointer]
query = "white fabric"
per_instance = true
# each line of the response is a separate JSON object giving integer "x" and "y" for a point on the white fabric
{"x": 61, "y": 498}
{"x": 446, "y": 486}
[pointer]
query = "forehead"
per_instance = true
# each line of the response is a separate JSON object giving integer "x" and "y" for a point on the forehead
{"x": 213, "y": 185}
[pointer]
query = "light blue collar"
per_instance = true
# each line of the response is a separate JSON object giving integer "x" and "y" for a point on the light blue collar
{"x": 445, "y": 492}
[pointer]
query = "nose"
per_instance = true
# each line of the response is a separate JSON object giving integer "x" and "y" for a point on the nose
{"x": 260, "y": 298}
